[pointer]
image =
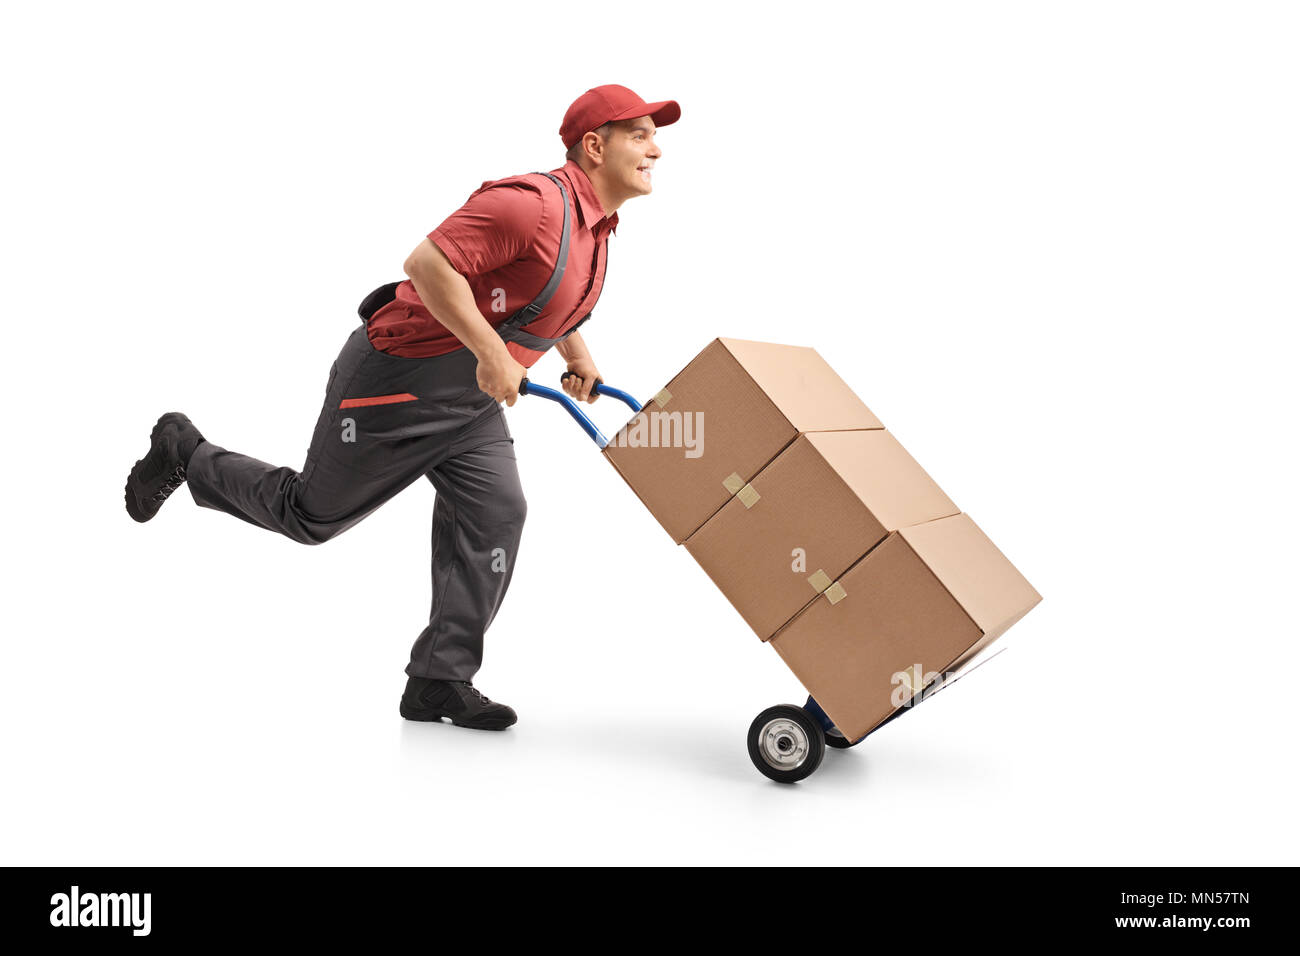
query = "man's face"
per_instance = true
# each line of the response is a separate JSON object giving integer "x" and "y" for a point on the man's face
{"x": 630, "y": 155}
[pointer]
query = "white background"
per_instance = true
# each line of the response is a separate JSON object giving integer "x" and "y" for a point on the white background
{"x": 1053, "y": 246}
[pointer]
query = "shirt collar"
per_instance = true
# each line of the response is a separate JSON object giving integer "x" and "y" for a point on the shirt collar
{"x": 591, "y": 214}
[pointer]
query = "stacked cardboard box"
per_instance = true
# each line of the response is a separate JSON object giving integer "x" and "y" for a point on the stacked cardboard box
{"x": 833, "y": 544}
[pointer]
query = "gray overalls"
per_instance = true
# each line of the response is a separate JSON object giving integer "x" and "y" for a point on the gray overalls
{"x": 387, "y": 421}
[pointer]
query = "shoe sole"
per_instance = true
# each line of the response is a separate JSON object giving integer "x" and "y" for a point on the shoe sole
{"x": 434, "y": 716}
{"x": 132, "y": 504}
{"x": 131, "y": 507}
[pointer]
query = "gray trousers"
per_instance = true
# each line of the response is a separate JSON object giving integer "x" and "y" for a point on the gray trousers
{"x": 386, "y": 422}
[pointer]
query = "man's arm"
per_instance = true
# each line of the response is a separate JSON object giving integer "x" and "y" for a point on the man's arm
{"x": 448, "y": 297}
{"x": 578, "y": 359}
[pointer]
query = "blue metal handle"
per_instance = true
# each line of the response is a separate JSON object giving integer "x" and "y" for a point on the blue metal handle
{"x": 541, "y": 391}
{"x": 603, "y": 389}
{"x": 600, "y": 388}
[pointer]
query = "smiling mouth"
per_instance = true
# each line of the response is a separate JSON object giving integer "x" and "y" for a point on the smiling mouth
{"x": 645, "y": 172}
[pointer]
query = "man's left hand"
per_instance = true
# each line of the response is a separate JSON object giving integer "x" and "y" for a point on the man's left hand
{"x": 578, "y": 385}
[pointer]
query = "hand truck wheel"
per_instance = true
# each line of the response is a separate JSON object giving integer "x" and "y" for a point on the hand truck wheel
{"x": 786, "y": 743}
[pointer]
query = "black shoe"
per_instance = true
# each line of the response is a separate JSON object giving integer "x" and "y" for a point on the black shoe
{"x": 162, "y": 470}
{"x": 458, "y": 700}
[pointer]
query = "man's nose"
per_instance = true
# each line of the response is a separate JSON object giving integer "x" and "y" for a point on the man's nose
{"x": 654, "y": 152}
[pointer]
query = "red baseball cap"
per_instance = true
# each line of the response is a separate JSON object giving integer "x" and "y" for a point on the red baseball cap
{"x": 604, "y": 104}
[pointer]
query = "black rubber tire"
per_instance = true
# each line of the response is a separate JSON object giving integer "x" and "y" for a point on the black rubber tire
{"x": 812, "y": 730}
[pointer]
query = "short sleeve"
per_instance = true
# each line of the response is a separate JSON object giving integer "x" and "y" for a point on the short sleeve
{"x": 496, "y": 226}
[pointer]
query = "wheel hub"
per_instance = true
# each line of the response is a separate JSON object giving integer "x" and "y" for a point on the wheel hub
{"x": 782, "y": 744}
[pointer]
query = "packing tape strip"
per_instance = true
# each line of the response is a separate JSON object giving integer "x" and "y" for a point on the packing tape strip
{"x": 662, "y": 397}
{"x": 820, "y": 580}
{"x": 835, "y": 593}
{"x": 733, "y": 483}
{"x": 748, "y": 496}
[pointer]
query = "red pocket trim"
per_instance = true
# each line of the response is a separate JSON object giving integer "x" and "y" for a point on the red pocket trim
{"x": 377, "y": 400}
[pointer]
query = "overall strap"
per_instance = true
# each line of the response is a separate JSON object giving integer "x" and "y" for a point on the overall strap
{"x": 602, "y": 257}
{"x": 511, "y": 330}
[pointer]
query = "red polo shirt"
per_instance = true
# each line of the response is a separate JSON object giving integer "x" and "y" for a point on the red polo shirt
{"x": 504, "y": 241}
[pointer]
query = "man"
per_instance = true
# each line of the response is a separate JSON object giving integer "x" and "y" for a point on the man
{"x": 417, "y": 389}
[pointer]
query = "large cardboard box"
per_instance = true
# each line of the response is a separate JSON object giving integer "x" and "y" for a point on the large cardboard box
{"x": 817, "y": 508}
{"x": 923, "y": 601}
{"x": 721, "y": 420}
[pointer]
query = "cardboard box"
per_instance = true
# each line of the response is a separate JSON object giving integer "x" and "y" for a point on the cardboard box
{"x": 817, "y": 508}
{"x": 926, "y": 599}
{"x": 721, "y": 420}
